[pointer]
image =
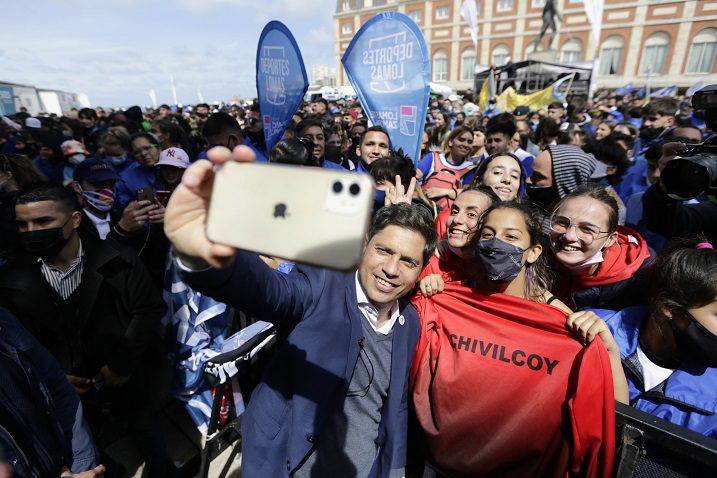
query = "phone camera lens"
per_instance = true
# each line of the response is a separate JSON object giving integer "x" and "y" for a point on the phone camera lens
{"x": 354, "y": 189}
{"x": 338, "y": 187}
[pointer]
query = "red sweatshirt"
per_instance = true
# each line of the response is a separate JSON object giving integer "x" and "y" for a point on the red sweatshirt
{"x": 502, "y": 388}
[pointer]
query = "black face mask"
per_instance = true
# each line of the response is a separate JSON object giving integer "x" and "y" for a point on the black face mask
{"x": 257, "y": 138}
{"x": 696, "y": 343}
{"x": 502, "y": 261}
{"x": 542, "y": 197}
{"x": 45, "y": 243}
{"x": 650, "y": 133}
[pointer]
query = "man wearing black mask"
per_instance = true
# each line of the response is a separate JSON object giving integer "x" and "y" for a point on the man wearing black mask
{"x": 95, "y": 309}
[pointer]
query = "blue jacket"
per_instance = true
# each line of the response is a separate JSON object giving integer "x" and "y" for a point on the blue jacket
{"x": 312, "y": 368}
{"x": 687, "y": 398}
{"x": 131, "y": 179}
{"x": 58, "y": 400}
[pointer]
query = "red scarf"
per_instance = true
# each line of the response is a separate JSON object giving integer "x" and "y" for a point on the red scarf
{"x": 502, "y": 388}
{"x": 621, "y": 261}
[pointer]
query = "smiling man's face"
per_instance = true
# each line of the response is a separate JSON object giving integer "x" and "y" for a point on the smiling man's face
{"x": 391, "y": 264}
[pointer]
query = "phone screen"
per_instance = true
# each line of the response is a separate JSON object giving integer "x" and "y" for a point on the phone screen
{"x": 162, "y": 197}
{"x": 144, "y": 194}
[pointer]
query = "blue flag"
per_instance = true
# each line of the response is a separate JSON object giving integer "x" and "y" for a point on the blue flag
{"x": 625, "y": 90}
{"x": 666, "y": 91}
{"x": 281, "y": 81}
{"x": 387, "y": 63}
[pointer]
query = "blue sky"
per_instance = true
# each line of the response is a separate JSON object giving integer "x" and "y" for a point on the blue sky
{"x": 115, "y": 51}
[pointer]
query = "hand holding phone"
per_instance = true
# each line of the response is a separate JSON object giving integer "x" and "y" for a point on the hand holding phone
{"x": 145, "y": 194}
{"x": 309, "y": 215}
{"x": 162, "y": 197}
{"x": 186, "y": 215}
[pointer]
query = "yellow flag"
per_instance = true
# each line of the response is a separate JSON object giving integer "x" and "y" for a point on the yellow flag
{"x": 508, "y": 100}
{"x": 486, "y": 92}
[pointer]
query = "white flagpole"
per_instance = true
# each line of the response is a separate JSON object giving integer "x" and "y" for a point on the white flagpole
{"x": 174, "y": 89}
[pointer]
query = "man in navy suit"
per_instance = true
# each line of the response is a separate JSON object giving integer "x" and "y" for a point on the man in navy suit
{"x": 333, "y": 401}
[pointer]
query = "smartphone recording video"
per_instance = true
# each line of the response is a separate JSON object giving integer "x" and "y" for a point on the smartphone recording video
{"x": 312, "y": 216}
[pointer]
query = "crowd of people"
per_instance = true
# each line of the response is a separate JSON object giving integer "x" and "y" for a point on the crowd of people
{"x": 522, "y": 272}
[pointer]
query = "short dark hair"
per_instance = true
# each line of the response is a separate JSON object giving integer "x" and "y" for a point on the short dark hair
{"x": 408, "y": 216}
{"x": 63, "y": 197}
{"x": 221, "y": 123}
{"x": 396, "y": 164}
{"x": 358, "y": 124}
{"x": 503, "y": 123}
{"x": 308, "y": 123}
{"x": 661, "y": 106}
{"x": 682, "y": 276}
{"x": 88, "y": 113}
{"x": 379, "y": 129}
{"x": 547, "y": 130}
{"x": 321, "y": 99}
{"x": 555, "y": 105}
{"x": 292, "y": 151}
{"x": 609, "y": 152}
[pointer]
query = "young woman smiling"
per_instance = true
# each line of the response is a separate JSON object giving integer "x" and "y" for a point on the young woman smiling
{"x": 453, "y": 259}
{"x": 602, "y": 265}
{"x": 443, "y": 173}
{"x": 503, "y": 172}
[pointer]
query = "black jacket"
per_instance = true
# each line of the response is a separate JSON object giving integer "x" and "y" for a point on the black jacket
{"x": 65, "y": 439}
{"x": 670, "y": 217}
{"x": 111, "y": 319}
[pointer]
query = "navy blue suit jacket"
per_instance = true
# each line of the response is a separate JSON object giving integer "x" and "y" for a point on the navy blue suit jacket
{"x": 309, "y": 375}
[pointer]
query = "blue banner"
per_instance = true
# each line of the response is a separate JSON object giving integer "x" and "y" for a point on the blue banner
{"x": 625, "y": 90}
{"x": 7, "y": 102}
{"x": 387, "y": 63}
{"x": 281, "y": 81}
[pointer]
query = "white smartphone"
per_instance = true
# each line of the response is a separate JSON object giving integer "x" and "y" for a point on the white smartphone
{"x": 307, "y": 215}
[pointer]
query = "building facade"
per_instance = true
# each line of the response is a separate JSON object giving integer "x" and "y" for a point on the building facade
{"x": 673, "y": 42}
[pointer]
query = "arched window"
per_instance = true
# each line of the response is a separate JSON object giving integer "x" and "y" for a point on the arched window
{"x": 501, "y": 55}
{"x": 611, "y": 55}
{"x": 655, "y": 53}
{"x": 703, "y": 52}
{"x": 572, "y": 51}
{"x": 468, "y": 64}
{"x": 440, "y": 65}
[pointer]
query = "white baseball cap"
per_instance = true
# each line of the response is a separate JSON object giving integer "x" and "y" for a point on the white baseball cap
{"x": 33, "y": 123}
{"x": 173, "y": 157}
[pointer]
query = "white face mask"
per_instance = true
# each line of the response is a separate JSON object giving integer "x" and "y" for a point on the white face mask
{"x": 76, "y": 159}
{"x": 595, "y": 259}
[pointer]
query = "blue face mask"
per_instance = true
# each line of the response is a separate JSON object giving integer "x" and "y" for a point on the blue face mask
{"x": 116, "y": 160}
{"x": 501, "y": 261}
{"x": 102, "y": 200}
